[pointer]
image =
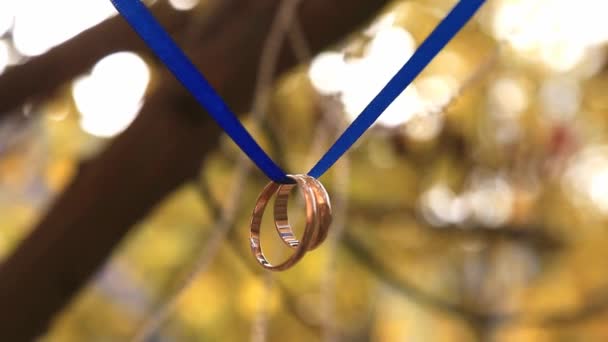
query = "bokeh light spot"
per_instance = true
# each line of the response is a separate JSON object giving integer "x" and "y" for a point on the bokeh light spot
{"x": 184, "y": 5}
{"x": 507, "y": 98}
{"x": 111, "y": 96}
{"x": 560, "y": 98}
{"x": 40, "y": 25}
{"x": 7, "y": 15}
{"x": 327, "y": 72}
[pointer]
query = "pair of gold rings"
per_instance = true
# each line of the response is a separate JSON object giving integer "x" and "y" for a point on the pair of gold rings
{"x": 318, "y": 219}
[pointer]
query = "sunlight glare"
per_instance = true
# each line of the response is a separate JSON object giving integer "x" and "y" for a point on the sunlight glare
{"x": 40, "y": 25}
{"x": 440, "y": 206}
{"x": 326, "y": 73}
{"x": 365, "y": 77}
{"x": 436, "y": 91}
{"x": 507, "y": 98}
{"x": 357, "y": 80}
{"x": 110, "y": 97}
{"x": 184, "y": 5}
{"x": 424, "y": 127}
{"x": 7, "y": 15}
{"x": 436, "y": 204}
{"x": 392, "y": 46}
{"x": 491, "y": 201}
{"x": 558, "y": 33}
{"x": 560, "y": 98}
{"x": 587, "y": 177}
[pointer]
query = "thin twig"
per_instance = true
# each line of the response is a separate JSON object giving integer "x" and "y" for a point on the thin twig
{"x": 204, "y": 259}
{"x": 598, "y": 302}
{"x": 259, "y": 333}
{"x": 381, "y": 271}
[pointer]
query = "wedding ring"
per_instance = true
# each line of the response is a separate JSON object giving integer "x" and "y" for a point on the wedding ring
{"x": 318, "y": 219}
{"x": 256, "y": 220}
{"x": 323, "y": 210}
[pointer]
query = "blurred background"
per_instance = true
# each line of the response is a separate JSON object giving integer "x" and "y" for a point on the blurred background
{"x": 475, "y": 209}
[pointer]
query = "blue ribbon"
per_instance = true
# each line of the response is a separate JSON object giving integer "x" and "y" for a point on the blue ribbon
{"x": 148, "y": 28}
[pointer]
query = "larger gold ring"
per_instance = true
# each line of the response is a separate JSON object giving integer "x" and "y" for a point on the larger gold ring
{"x": 318, "y": 218}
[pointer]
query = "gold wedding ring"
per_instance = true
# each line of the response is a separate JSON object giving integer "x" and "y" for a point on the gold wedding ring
{"x": 318, "y": 219}
{"x": 323, "y": 211}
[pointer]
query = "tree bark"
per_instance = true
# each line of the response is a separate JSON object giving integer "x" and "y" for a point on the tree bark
{"x": 164, "y": 148}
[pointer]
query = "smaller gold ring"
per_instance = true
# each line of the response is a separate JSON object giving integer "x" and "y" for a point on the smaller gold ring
{"x": 311, "y": 226}
{"x": 323, "y": 208}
